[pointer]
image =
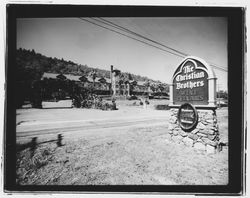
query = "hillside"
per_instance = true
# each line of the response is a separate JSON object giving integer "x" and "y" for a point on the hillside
{"x": 31, "y": 66}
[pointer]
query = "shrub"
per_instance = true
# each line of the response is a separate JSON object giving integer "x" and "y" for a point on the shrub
{"x": 133, "y": 97}
{"x": 91, "y": 100}
{"x": 162, "y": 107}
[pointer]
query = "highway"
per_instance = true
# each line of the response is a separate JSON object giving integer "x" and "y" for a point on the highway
{"x": 72, "y": 123}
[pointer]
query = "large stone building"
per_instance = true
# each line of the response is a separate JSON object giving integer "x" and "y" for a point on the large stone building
{"x": 98, "y": 83}
{"x": 113, "y": 85}
{"x": 124, "y": 86}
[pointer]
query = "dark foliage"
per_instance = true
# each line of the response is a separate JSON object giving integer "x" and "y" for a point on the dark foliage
{"x": 222, "y": 94}
{"x": 89, "y": 100}
{"x": 133, "y": 97}
{"x": 162, "y": 107}
{"x": 28, "y": 60}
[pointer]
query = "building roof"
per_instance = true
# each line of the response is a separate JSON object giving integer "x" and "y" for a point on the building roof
{"x": 71, "y": 77}
{"x": 76, "y": 78}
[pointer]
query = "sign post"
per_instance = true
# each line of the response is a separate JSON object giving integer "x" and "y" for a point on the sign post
{"x": 193, "y": 105}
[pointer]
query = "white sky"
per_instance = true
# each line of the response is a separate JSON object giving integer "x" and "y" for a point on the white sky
{"x": 84, "y": 43}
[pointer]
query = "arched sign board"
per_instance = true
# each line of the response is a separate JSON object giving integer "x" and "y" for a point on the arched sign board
{"x": 193, "y": 82}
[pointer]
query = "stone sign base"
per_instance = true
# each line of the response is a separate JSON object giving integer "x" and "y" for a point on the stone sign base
{"x": 204, "y": 137}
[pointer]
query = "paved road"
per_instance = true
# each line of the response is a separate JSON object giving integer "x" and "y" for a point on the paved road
{"x": 86, "y": 126}
{"x": 42, "y": 123}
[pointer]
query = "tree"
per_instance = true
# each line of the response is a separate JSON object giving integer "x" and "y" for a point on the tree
{"x": 153, "y": 87}
{"x": 93, "y": 76}
{"x": 127, "y": 87}
{"x": 120, "y": 82}
{"x": 36, "y": 98}
{"x": 130, "y": 77}
{"x": 161, "y": 87}
{"x": 147, "y": 85}
{"x": 133, "y": 84}
{"x": 33, "y": 52}
{"x": 222, "y": 94}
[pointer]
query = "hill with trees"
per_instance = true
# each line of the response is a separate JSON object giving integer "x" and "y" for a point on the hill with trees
{"x": 31, "y": 66}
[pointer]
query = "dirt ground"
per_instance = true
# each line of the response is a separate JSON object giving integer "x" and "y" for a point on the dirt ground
{"x": 138, "y": 152}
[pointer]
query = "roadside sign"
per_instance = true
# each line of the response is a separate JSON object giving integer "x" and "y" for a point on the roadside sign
{"x": 193, "y": 82}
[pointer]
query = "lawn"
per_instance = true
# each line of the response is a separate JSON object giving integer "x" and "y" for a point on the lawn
{"x": 138, "y": 155}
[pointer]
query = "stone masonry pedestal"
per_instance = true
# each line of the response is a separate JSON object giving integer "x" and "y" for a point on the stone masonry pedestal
{"x": 204, "y": 137}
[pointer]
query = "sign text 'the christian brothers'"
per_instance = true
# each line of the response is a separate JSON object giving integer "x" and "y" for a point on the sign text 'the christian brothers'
{"x": 189, "y": 76}
{"x": 190, "y": 85}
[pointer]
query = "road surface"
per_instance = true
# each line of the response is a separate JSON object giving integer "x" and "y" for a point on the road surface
{"x": 44, "y": 123}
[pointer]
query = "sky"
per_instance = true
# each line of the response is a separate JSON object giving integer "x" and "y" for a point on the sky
{"x": 85, "y": 43}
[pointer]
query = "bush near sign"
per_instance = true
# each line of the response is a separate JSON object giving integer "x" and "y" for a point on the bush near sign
{"x": 187, "y": 117}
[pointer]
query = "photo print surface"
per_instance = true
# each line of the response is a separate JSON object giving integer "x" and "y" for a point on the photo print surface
{"x": 113, "y": 103}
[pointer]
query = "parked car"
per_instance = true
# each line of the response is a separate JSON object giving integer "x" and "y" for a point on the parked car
{"x": 221, "y": 102}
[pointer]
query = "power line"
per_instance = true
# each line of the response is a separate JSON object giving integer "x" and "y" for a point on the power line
{"x": 113, "y": 25}
{"x": 218, "y": 67}
{"x": 144, "y": 37}
{"x": 131, "y": 37}
{"x": 139, "y": 35}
